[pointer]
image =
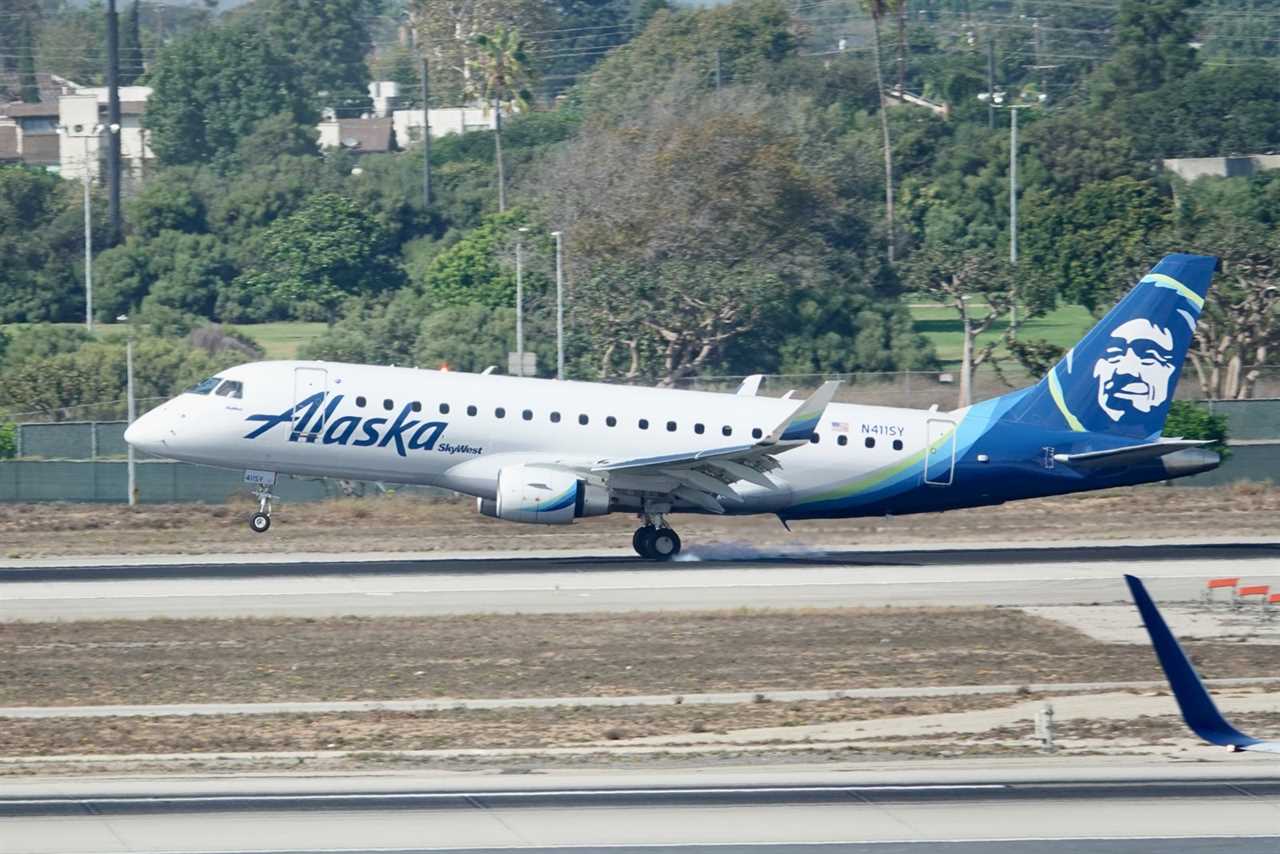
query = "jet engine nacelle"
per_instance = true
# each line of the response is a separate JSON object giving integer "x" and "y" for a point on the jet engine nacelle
{"x": 543, "y": 496}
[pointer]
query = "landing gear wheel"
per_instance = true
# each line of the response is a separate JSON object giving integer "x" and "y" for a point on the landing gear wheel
{"x": 259, "y": 522}
{"x": 664, "y": 544}
{"x": 642, "y": 541}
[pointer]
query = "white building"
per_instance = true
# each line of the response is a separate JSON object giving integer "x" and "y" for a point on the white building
{"x": 84, "y": 111}
{"x": 446, "y": 120}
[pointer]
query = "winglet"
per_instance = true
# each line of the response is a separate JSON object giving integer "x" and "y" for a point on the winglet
{"x": 804, "y": 420}
{"x": 1198, "y": 708}
{"x": 749, "y": 386}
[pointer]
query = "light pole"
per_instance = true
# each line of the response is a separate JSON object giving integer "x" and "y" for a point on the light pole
{"x": 88, "y": 216}
{"x": 559, "y": 236}
{"x": 520, "y": 232}
{"x": 997, "y": 100}
{"x": 133, "y": 407}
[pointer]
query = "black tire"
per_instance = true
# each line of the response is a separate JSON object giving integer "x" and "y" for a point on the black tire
{"x": 664, "y": 544}
{"x": 259, "y": 523}
{"x": 641, "y": 541}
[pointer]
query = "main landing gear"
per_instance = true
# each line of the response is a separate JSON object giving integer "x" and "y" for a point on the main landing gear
{"x": 259, "y": 522}
{"x": 655, "y": 540}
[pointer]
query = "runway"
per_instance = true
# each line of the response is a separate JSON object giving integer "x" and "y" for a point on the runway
{"x": 1189, "y": 811}
{"x": 723, "y": 578}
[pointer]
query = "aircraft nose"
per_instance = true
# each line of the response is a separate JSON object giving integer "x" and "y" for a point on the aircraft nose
{"x": 147, "y": 434}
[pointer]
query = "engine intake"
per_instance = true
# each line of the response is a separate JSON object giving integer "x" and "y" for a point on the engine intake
{"x": 543, "y": 496}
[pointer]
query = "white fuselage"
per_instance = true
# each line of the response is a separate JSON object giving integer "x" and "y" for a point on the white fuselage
{"x": 457, "y": 430}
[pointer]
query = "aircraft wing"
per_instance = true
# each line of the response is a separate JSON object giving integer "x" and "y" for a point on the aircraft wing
{"x": 704, "y": 477}
{"x": 1198, "y": 708}
{"x": 1129, "y": 454}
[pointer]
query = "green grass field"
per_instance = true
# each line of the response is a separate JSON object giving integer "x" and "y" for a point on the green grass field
{"x": 1063, "y": 326}
{"x": 281, "y": 340}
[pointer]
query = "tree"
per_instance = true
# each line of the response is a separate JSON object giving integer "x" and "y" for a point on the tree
{"x": 981, "y": 288}
{"x": 1152, "y": 47}
{"x": 1239, "y": 329}
{"x": 1097, "y": 244}
{"x": 877, "y": 8}
{"x": 27, "y": 63}
{"x": 328, "y": 250}
{"x": 211, "y": 89}
{"x": 132, "y": 66}
{"x": 505, "y": 75}
{"x": 328, "y": 41}
{"x": 479, "y": 268}
{"x": 447, "y": 34}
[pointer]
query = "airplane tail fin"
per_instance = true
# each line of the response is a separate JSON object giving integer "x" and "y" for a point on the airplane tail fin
{"x": 1121, "y": 376}
{"x": 1198, "y": 708}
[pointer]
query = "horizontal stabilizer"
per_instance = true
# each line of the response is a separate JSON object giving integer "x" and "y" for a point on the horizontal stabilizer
{"x": 1198, "y": 708}
{"x": 1129, "y": 454}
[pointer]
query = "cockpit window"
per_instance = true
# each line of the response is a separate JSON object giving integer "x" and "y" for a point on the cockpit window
{"x": 205, "y": 386}
{"x": 231, "y": 388}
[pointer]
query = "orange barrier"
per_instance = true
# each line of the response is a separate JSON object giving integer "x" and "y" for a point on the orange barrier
{"x": 1217, "y": 583}
{"x": 1255, "y": 590}
{"x": 1274, "y": 600}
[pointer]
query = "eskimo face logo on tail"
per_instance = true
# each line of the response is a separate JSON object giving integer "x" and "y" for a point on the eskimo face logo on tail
{"x": 308, "y": 422}
{"x": 1135, "y": 369}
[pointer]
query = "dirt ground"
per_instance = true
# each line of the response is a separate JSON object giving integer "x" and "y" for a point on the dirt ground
{"x": 454, "y": 730}
{"x": 405, "y": 523}
{"x": 556, "y": 655}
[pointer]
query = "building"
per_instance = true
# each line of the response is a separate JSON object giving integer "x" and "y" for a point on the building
{"x": 64, "y": 132}
{"x": 446, "y": 120}
{"x": 1191, "y": 168}
{"x": 367, "y": 135}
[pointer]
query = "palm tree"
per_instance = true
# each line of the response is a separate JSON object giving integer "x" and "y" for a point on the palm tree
{"x": 505, "y": 74}
{"x": 877, "y": 8}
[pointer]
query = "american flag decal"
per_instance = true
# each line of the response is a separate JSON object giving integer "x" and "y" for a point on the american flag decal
{"x": 840, "y": 426}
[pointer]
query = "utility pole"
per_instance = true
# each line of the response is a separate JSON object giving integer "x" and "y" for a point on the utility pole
{"x": 1013, "y": 184}
{"x": 717, "y": 69}
{"x": 520, "y": 232}
{"x": 991, "y": 80}
{"x": 1040, "y": 67}
{"x": 559, "y": 304}
{"x": 88, "y": 245}
{"x": 133, "y": 408}
{"x": 426, "y": 136}
{"x": 113, "y": 120}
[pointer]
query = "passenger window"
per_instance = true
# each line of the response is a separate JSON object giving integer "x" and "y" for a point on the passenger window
{"x": 671, "y": 426}
{"x": 726, "y": 430}
{"x": 756, "y": 433}
{"x": 842, "y": 440}
{"x": 499, "y": 413}
{"x": 611, "y": 421}
{"x": 644, "y": 424}
{"x": 416, "y": 406}
{"x": 699, "y": 429}
{"x": 871, "y": 442}
{"x": 897, "y": 444}
{"x": 555, "y": 418}
{"x": 205, "y": 386}
{"x": 527, "y": 415}
{"x": 814, "y": 438}
{"x": 471, "y": 410}
{"x": 582, "y": 419}
{"x": 230, "y": 388}
{"x": 444, "y": 408}
{"x": 360, "y": 402}
{"x": 388, "y": 405}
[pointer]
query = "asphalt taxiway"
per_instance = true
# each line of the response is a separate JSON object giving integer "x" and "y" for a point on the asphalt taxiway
{"x": 1222, "y": 809}
{"x": 713, "y": 577}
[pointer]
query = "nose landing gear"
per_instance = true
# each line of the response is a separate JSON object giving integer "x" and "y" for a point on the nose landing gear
{"x": 655, "y": 540}
{"x": 259, "y": 522}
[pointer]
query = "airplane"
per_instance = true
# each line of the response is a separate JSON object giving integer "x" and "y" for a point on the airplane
{"x": 549, "y": 451}
{"x": 1198, "y": 708}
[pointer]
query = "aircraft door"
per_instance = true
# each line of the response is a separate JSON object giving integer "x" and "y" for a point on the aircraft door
{"x": 940, "y": 452}
{"x": 308, "y": 419}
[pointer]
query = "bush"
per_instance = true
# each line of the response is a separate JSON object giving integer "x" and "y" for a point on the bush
{"x": 1190, "y": 420}
{"x": 8, "y": 441}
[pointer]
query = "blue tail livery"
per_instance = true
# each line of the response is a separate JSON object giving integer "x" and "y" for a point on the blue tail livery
{"x": 1121, "y": 377}
{"x": 1198, "y": 708}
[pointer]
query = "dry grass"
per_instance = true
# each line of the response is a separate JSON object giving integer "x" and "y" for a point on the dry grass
{"x": 446, "y": 730}
{"x": 406, "y": 523}
{"x": 264, "y": 660}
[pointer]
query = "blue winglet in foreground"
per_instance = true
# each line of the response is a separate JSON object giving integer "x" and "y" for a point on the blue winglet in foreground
{"x": 1198, "y": 708}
